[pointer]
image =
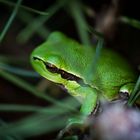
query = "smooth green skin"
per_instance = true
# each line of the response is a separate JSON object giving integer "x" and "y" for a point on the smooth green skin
{"x": 113, "y": 74}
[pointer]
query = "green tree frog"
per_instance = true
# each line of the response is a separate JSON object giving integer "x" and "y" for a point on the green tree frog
{"x": 64, "y": 61}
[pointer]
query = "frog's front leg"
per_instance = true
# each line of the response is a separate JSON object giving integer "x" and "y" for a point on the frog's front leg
{"x": 88, "y": 105}
{"x": 89, "y": 102}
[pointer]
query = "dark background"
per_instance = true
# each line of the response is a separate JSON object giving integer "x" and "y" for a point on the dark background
{"x": 125, "y": 40}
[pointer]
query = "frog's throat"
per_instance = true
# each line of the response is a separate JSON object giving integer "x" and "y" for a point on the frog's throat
{"x": 65, "y": 75}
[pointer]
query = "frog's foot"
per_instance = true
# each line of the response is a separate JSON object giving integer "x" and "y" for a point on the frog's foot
{"x": 75, "y": 126}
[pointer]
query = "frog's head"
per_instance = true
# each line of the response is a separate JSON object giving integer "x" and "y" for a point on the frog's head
{"x": 51, "y": 63}
{"x": 47, "y": 66}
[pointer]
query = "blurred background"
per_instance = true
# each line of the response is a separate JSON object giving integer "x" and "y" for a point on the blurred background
{"x": 22, "y": 91}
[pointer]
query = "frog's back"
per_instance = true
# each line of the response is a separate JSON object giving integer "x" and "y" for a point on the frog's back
{"x": 113, "y": 71}
{"x": 77, "y": 59}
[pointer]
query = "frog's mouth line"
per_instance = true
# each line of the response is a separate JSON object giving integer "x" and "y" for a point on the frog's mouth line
{"x": 65, "y": 75}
